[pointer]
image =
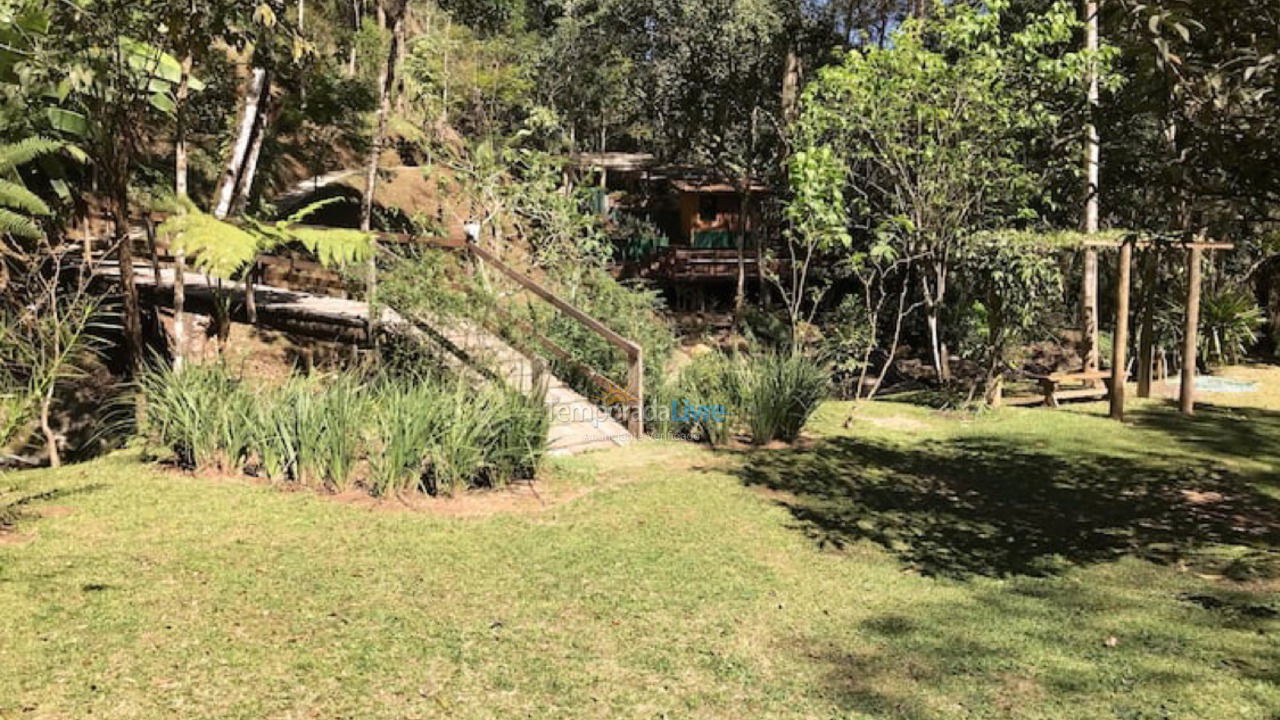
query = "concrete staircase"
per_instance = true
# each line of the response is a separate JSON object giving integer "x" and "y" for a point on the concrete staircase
{"x": 577, "y": 425}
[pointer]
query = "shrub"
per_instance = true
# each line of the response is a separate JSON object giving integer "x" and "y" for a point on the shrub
{"x": 203, "y": 415}
{"x": 770, "y": 395}
{"x": 712, "y": 379}
{"x": 1229, "y": 319}
{"x": 778, "y": 392}
{"x": 414, "y": 434}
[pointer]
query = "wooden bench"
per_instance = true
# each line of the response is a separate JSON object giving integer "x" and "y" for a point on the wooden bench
{"x": 1050, "y": 386}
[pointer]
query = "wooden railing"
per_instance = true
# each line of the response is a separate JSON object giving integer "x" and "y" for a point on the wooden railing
{"x": 632, "y": 396}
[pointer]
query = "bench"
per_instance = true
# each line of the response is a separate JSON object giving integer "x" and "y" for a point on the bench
{"x": 1051, "y": 386}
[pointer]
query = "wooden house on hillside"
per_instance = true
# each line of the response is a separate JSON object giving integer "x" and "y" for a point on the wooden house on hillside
{"x": 700, "y": 216}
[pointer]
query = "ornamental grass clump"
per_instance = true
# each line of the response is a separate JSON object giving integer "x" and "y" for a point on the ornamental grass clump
{"x": 388, "y": 435}
{"x": 778, "y": 392}
{"x": 203, "y": 415}
{"x": 768, "y": 396}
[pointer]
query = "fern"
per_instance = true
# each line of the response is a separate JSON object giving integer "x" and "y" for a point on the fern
{"x": 16, "y": 199}
{"x": 222, "y": 249}
{"x": 330, "y": 246}
{"x": 18, "y": 225}
{"x": 335, "y": 247}
{"x": 13, "y": 195}
{"x": 22, "y": 152}
{"x": 214, "y": 247}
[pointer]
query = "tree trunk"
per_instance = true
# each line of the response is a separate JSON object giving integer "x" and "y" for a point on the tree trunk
{"x": 252, "y": 98}
{"x": 791, "y": 86}
{"x": 180, "y": 137}
{"x": 50, "y": 438}
{"x": 244, "y": 184}
{"x": 1092, "y": 156}
{"x": 1120, "y": 344}
{"x": 371, "y": 177}
{"x": 180, "y": 187}
{"x": 124, "y": 253}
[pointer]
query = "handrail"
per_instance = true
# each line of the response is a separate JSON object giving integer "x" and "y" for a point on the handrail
{"x": 634, "y": 396}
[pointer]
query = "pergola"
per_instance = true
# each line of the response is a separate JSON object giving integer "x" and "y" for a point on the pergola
{"x": 1195, "y": 248}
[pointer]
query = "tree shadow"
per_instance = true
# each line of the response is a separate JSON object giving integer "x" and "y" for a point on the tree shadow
{"x": 1234, "y": 432}
{"x": 1057, "y": 643}
{"x": 993, "y": 507}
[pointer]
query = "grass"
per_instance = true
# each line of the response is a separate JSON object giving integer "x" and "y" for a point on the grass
{"x": 1017, "y": 564}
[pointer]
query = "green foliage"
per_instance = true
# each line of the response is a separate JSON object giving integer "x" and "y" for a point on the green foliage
{"x": 222, "y": 249}
{"x": 848, "y": 339}
{"x": 769, "y": 395}
{"x": 1015, "y": 283}
{"x": 1229, "y": 324}
{"x": 204, "y": 415}
{"x": 43, "y": 344}
{"x": 632, "y": 310}
{"x": 212, "y": 246}
{"x": 817, "y": 210}
{"x": 390, "y": 435}
{"x": 17, "y": 203}
{"x": 779, "y": 392}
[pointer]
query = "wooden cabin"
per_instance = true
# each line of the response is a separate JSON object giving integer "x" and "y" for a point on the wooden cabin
{"x": 702, "y": 216}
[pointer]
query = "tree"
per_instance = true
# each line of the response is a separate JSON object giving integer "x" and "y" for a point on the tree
{"x": 1014, "y": 282}
{"x": 932, "y": 131}
{"x": 819, "y": 226}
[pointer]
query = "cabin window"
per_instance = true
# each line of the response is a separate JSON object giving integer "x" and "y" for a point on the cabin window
{"x": 708, "y": 208}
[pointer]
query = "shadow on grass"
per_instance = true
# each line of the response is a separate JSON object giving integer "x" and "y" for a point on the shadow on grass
{"x": 990, "y": 506}
{"x": 15, "y": 508}
{"x": 1233, "y": 432}
{"x": 1081, "y": 649}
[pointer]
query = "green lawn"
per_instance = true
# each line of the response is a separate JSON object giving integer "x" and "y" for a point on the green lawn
{"x": 1022, "y": 563}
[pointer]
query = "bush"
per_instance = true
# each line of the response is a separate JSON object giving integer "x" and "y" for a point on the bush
{"x": 203, "y": 415}
{"x": 770, "y": 396}
{"x": 390, "y": 435}
{"x": 1229, "y": 322}
{"x": 778, "y": 394}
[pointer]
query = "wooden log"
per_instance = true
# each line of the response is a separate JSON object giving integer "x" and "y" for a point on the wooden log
{"x": 1187, "y": 396}
{"x": 1120, "y": 345}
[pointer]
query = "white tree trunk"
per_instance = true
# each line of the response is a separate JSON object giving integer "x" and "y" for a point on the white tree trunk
{"x": 181, "y": 188}
{"x": 1092, "y": 157}
{"x": 371, "y": 176}
{"x": 239, "y": 151}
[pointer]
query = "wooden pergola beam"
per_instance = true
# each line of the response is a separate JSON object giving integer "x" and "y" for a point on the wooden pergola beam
{"x": 1202, "y": 245}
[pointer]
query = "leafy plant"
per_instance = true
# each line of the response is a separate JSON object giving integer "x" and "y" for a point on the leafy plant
{"x": 778, "y": 393}
{"x": 1229, "y": 324}
{"x": 203, "y": 414}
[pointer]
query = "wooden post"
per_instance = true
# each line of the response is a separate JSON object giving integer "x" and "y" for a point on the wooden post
{"x": 250, "y": 293}
{"x": 635, "y": 388}
{"x": 1191, "y": 332}
{"x": 1120, "y": 345}
{"x": 1146, "y": 337}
